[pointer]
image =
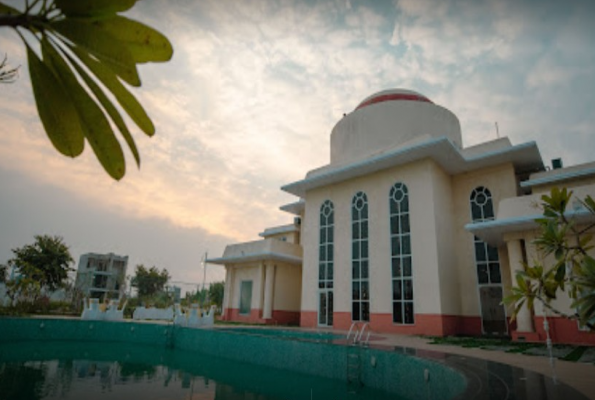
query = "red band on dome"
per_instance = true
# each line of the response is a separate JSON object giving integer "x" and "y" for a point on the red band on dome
{"x": 393, "y": 97}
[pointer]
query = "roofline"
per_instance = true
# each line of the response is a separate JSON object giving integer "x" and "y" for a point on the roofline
{"x": 442, "y": 150}
{"x": 279, "y": 229}
{"x": 492, "y": 231}
{"x": 558, "y": 177}
{"x": 260, "y": 256}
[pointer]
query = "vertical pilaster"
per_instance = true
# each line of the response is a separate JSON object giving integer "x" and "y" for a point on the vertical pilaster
{"x": 515, "y": 256}
{"x": 268, "y": 292}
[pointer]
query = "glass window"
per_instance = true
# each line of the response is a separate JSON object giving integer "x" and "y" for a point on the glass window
{"x": 400, "y": 235}
{"x": 325, "y": 265}
{"x": 359, "y": 256}
{"x": 482, "y": 209}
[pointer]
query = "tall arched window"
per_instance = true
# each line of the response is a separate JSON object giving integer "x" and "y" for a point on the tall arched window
{"x": 487, "y": 263}
{"x": 400, "y": 235}
{"x": 325, "y": 264}
{"x": 360, "y": 296}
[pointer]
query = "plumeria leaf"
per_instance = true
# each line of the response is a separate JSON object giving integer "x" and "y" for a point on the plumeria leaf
{"x": 144, "y": 43}
{"x": 96, "y": 127}
{"x": 55, "y": 107}
{"x": 90, "y": 8}
{"x": 124, "y": 97}
{"x": 100, "y": 44}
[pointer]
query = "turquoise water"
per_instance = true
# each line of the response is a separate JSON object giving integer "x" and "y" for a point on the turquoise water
{"x": 237, "y": 363}
{"x": 77, "y": 370}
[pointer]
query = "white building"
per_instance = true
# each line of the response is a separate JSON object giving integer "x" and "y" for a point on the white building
{"x": 405, "y": 229}
{"x": 102, "y": 275}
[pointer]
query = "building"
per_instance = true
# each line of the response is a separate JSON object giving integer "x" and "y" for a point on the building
{"x": 405, "y": 229}
{"x": 102, "y": 275}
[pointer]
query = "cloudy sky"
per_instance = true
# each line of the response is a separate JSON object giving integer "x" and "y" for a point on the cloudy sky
{"x": 249, "y": 99}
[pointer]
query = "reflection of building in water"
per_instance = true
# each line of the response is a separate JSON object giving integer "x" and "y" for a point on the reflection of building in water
{"x": 102, "y": 275}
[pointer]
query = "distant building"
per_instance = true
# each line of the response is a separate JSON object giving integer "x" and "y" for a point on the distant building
{"x": 407, "y": 230}
{"x": 102, "y": 275}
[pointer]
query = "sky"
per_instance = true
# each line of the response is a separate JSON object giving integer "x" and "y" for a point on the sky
{"x": 250, "y": 97}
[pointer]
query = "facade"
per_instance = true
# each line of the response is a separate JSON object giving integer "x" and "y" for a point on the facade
{"x": 405, "y": 229}
{"x": 102, "y": 275}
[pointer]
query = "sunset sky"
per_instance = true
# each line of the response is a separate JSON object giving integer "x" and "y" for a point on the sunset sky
{"x": 249, "y": 99}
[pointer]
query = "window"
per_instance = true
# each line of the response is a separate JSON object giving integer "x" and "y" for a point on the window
{"x": 486, "y": 256}
{"x": 360, "y": 273}
{"x": 326, "y": 264}
{"x": 487, "y": 262}
{"x": 245, "y": 297}
{"x": 401, "y": 265}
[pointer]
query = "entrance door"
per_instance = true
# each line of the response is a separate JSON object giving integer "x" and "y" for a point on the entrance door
{"x": 325, "y": 308}
{"x": 493, "y": 316}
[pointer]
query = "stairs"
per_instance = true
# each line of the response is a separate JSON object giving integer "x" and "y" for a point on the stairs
{"x": 354, "y": 365}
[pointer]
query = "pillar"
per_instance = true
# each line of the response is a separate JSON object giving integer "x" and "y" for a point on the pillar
{"x": 268, "y": 292}
{"x": 524, "y": 319}
{"x": 227, "y": 295}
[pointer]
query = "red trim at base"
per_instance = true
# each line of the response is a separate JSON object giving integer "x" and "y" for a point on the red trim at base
{"x": 308, "y": 319}
{"x": 285, "y": 317}
{"x": 563, "y": 330}
{"x": 279, "y": 317}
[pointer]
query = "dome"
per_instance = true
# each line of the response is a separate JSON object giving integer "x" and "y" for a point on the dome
{"x": 390, "y": 119}
{"x": 393, "y": 95}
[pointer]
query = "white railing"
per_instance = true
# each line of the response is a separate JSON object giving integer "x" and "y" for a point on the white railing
{"x": 359, "y": 332}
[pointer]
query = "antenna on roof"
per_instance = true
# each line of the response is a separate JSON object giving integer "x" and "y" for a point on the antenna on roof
{"x": 497, "y": 132}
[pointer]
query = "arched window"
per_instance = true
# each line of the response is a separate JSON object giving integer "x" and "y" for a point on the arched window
{"x": 360, "y": 296}
{"x": 489, "y": 279}
{"x": 486, "y": 256}
{"x": 400, "y": 236}
{"x": 325, "y": 264}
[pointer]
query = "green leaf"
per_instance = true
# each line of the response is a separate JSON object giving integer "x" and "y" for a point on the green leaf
{"x": 96, "y": 127}
{"x": 55, "y": 107}
{"x": 89, "y": 8}
{"x": 145, "y": 43}
{"x": 110, "y": 109}
{"x": 124, "y": 97}
{"x": 560, "y": 273}
{"x": 7, "y": 10}
{"x": 102, "y": 45}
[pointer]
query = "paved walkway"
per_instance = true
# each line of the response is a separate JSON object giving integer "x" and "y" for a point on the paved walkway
{"x": 581, "y": 376}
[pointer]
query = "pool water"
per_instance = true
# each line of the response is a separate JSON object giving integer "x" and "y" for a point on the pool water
{"x": 86, "y": 370}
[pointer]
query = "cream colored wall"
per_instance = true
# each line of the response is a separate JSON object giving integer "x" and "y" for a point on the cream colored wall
{"x": 290, "y": 237}
{"x": 450, "y": 299}
{"x": 501, "y": 182}
{"x": 419, "y": 178}
{"x": 288, "y": 287}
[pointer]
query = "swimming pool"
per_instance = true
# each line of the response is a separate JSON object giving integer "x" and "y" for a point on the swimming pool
{"x": 249, "y": 363}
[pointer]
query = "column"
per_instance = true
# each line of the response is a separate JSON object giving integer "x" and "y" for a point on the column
{"x": 268, "y": 292}
{"x": 227, "y": 292}
{"x": 524, "y": 319}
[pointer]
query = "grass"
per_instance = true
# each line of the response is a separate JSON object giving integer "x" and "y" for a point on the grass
{"x": 506, "y": 345}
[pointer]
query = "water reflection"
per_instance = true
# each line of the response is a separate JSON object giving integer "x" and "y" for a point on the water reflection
{"x": 94, "y": 371}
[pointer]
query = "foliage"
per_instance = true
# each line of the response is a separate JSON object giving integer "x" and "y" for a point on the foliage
{"x": 43, "y": 265}
{"x": 3, "y": 271}
{"x": 7, "y": 74}
{"x": 573, "y": 271}
{"x": 87, "y": 47}
{"x": 150, "y": 281}
{"x": 211, "y": 296}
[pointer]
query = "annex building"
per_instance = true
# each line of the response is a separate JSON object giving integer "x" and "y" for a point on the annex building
{"x": 405, "y": 229}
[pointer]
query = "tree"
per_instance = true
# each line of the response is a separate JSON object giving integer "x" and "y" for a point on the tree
{"x": 216, "y": 290}
{"x": 3, "y": 270}
{"x": 149, "y": 282}
{"x": 573, "y": 270}
{"x": 43, "y": 265}
{"x": 87, "y": 47}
